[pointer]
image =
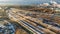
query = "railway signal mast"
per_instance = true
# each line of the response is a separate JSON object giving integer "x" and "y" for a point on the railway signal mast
{"x": 53, "y": 4}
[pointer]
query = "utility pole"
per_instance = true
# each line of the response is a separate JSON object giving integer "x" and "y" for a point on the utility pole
{"x": 5, "y": 14}
{"x": 53, "y": 2}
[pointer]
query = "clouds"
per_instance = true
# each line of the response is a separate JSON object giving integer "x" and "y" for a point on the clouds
{"x": 23, "y": 1}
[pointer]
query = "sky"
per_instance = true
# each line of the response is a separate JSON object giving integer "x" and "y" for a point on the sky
{"x": 24, "y": 2}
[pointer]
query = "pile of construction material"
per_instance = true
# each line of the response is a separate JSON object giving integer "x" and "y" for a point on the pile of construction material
{"x": 9, "y": 27}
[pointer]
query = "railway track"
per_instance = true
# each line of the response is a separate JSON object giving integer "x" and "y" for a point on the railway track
{"x": 50, "y": 17}
{"x": 43, "y": 24}
{"x": 33, "y": 24}
{"x": 26, "y": 26}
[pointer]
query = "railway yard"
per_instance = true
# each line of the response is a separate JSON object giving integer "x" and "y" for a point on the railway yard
{"x": 32, "y": 21}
